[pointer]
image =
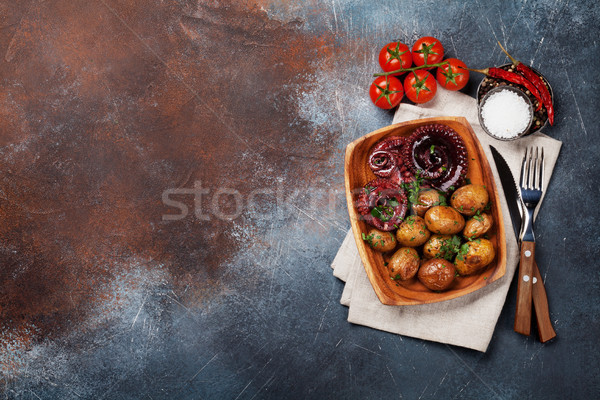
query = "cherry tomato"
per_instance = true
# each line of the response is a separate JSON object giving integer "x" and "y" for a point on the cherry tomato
{"x": 427, "y": 50}
{"x": 420, "y": 86}
{"x": 452, "y": 76}
{"x": 394, "y": 56}
{"x": 386, "y": 92}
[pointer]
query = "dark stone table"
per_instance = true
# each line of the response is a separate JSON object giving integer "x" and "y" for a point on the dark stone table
{"x": 171, "y": 199}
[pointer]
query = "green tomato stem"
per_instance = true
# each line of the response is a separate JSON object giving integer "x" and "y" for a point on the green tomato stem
{"x": 412, "y": 69}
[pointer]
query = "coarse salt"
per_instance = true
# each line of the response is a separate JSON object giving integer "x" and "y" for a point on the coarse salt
{"x": 506, "y": 114}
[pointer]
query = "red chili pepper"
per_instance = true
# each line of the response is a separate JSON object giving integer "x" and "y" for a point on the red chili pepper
{"x": 511, "y": 77}
{"x": 537, "y": 81}
{"x": 544, "y": 92}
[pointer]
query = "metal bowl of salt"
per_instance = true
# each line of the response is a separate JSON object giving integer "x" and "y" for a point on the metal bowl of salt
{"x": 505, "y": 113}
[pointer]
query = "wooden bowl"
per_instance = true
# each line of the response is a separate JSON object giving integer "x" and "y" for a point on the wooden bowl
{"x": 358, "y": 174}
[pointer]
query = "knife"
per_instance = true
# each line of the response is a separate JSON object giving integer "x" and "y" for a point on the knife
{"x": 539, "y": 297}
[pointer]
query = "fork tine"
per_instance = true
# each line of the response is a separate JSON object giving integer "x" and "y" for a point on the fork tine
{"x": 524, "y": 173}
{"x": 535, "y": 183}
{"x": 542, "y": 170}
{"x": 529, "y": 177}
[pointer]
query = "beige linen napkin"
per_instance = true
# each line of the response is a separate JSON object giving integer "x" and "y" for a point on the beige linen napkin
{"x": 467, "y": 321}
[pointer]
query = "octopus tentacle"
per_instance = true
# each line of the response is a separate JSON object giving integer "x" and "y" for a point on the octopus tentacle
{"x": 383, "y": 163}
{"x": 385, "y": 160}
{"x": 437, "y": 153}
{"x": 382, "y": 204}
{"x": 390, "y": 143}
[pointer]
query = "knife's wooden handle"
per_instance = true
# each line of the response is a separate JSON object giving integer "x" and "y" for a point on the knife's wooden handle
{"x": 540, "y": 303}
{"x": 524, "y": 288}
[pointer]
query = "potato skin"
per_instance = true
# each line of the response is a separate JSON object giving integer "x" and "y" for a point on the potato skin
{"x": 431, "y": 249}
{"x": 478, "y": 226}
{"x": 470, "y": 198}
{"x": 479, "y": 254}
{"x": 427, "y": 198}
{"x": 404, "y": 264}
{"x": 437, "y": 274}
{"x": 444, "y": 220}
{"x": 381, "y": 241}
{"x": 412, "y": 232}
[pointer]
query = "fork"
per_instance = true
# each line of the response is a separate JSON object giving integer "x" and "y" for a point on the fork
{"x": 531, "y": 190}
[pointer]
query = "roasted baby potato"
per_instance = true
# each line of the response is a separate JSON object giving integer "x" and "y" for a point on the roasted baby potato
{"x": 474, "y": 256}
{"x": 469, "y": 199}
{"x": 380, "y": 241}
{"x": 427, "y": 198}
{"x": 444, "y": 220}
{"x": 404, "y": 264}
{"x": 412, "y": 232}
{"x": 437, "y": 246}
{"x": 437, "y": 274}
{"x": 478, "y": 226}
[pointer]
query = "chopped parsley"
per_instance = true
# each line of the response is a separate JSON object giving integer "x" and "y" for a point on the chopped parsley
{"x": 384, "y": 213}
{"x": 368, "y": 238}
{"x": 449, "y": 248}
{"x": 463, "y": 250}
{"x": 412, "y": 190}
{"x": 441, "y": 200}
{"x": 393, "y": 203}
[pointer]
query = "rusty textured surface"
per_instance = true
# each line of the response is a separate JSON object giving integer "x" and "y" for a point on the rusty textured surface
{"x": 102, "y": 113}
{"x": 106, "y": 293}
{"x": 99, "y": 122}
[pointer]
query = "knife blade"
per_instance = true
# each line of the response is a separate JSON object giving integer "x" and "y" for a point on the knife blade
{"x": 539, "y": 295}
{"x": 510, "y": 190}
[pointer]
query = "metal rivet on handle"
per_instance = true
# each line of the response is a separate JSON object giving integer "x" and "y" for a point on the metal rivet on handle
{"x": 527, "y": 253}
{"x": 534, "y": 279}
{"x": 526, "y": 278}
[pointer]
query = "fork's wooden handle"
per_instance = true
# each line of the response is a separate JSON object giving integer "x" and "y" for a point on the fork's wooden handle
{"x": 524, "y": 288}
{"x": 540, "y": 303}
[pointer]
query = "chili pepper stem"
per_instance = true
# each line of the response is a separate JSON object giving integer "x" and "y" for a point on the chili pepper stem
{"x": 515, "y": 62}
{"x": 485, "y": 71}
